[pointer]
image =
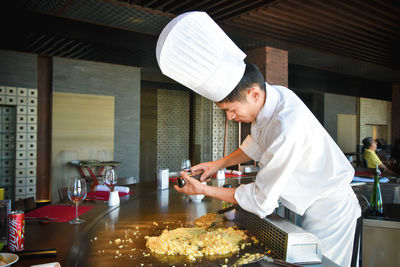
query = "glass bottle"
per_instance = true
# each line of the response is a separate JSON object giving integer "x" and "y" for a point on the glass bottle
{"x": 376, "y": 197}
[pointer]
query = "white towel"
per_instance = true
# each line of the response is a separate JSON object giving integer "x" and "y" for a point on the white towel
{"x": 122, "y": 189}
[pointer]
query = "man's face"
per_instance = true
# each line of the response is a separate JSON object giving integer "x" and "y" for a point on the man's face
{"x": 374, "y": 145}
{"x": 242, "y": 111}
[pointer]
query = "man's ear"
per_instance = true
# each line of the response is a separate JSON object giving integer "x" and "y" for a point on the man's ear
{"x": 254, "y": 94}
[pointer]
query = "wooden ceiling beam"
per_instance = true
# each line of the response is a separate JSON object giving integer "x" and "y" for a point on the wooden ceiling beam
{"x": 341, "y": 14}
{"x": 326, "y": 38}
{"x": 328, "y": 14}
{"x": 234, "y": 12}
{"x": 326, "y": 25}
{"x": 304, "y": 41}
{"x": 381, "y": 8}
{"x": 320, "y": 29}
{"x": 188, "y": 5}
{"x": 364, "y": 10}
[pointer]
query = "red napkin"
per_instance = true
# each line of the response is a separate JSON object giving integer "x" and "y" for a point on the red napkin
{"x": 173, "y": 179}
{"x": 369, "y": 174}
{"x": 103, "y": 195}
{"x": 61, "y": 213}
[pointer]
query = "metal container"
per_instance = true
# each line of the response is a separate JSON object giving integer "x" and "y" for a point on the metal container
{"x": 287, "y": 241}
{"x": 16, "y": 230}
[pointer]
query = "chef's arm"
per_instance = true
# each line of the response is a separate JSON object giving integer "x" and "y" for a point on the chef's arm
{"x": 236, "y": 157}
{"x": 209, "y": 168}
{"x": 195, "y": 187}
{"x": 224, "y": 194}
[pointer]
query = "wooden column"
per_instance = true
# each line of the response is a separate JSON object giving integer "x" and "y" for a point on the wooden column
{"x": 395, "y": 112}
{"x": 43, "y": 169}
{"x": 272, "y": 62}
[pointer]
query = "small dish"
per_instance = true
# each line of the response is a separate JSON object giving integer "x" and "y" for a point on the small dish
{"x": 196, "y": 198}
{"x": 9, "y": 258}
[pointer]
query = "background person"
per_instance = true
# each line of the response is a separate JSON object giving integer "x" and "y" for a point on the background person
{"x": 372, "y": 159}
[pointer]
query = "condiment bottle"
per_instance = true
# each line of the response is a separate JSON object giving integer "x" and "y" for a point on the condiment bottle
{"x": 376, "y": 197}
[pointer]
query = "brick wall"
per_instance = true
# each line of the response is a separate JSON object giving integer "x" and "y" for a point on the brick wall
{"x": 272, "y": 62}
{"x": 375, "y": 118}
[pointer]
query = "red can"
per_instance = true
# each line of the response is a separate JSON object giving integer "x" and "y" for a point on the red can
{"x": 16, "y": 230}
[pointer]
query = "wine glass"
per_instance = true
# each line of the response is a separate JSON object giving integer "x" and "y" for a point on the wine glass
{"x": 110, "y": 178}
{"x": 76, "y": 193}
{"x": 186, "y": 165}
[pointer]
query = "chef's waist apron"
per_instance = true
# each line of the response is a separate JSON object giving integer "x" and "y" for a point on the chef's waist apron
{"x": 333, "y": 220}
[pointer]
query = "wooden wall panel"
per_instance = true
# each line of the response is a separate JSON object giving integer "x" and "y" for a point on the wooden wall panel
{"x": 83, "y": 129}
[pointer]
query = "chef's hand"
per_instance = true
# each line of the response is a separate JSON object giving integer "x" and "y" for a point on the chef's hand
{"x": 208, "y": 169}
{"x": 192, "y": 186}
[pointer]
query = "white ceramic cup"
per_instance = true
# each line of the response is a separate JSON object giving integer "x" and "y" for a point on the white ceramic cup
{"x": 113, "y": 200}
{"x": 221, "y": 174}
{"x": 197, "y": 198}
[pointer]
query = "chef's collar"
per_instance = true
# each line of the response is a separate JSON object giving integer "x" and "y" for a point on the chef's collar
{"x": 268, "y": 109}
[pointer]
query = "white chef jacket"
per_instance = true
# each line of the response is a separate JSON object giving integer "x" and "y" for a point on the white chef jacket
{"x": 304, "y": 169}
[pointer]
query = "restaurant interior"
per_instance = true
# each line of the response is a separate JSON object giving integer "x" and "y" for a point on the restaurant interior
{"x": 81, "y": 92}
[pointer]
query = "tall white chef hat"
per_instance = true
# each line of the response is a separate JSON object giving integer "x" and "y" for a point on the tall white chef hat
{"x": 194, "y": 51}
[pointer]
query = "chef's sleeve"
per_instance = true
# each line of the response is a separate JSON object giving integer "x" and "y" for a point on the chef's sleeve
{"x": 251, "y": 148}
{"x": 279, "y": 162}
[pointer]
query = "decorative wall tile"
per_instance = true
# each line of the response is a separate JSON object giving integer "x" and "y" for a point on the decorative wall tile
{"x": 31, "y": 181}
{"x": 20, "y": 182}
{"x": 20, "y": 191}
{"x": 18, "y": 134}
{"x": 21, "y": 110}
{"x": 172, "y": 128}
{"x": 22, "y": 92}
{"x": 32, "y": 101}
{"x": 32, "y": 93}
{"x": 11, "y": 91}
{"x": 21, "y": 100}
{"x": 11, "y": 100}
{"x": 32, "y": 128}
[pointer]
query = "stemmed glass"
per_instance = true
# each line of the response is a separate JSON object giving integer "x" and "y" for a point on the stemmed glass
{"x": 110, "y": 179}
{"x": 76, "y": 193}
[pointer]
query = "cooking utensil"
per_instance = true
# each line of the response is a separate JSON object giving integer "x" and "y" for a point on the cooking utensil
{"x": 274, "y": 261}
{"x": 38, "y": 253}
{"x": 222, "y": 211}
{"x": 181, "y": 182}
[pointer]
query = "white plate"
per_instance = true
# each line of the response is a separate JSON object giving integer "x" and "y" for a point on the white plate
{"x": 10, "y": 258}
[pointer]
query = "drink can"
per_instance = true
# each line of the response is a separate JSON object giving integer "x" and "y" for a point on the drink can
{"x": 16, "y": 230}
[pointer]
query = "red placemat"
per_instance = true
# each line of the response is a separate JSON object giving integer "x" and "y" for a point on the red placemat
{"x": 103, "y": 195}
{"x": 369, "y": 174}
{"x": 60, "y": 213}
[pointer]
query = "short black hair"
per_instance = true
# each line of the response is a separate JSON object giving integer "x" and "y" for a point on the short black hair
{"x": 251, "y": 76}
{"x": 367, "y": 142}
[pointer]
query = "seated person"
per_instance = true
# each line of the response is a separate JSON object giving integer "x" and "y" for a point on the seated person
{"x": 370, "y": 156}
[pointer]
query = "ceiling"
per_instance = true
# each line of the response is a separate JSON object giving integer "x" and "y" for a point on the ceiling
{"x": 354, "y": 37}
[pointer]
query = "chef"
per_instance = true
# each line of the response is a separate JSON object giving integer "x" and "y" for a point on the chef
{"x": 301, "y": 166}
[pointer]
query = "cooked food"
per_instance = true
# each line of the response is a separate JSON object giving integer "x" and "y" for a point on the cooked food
{"x": 248, "y": 258}
{"x": 205, "y": 220}
{"x": 196, "y": 242}
{"x": 2, "y": 261}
